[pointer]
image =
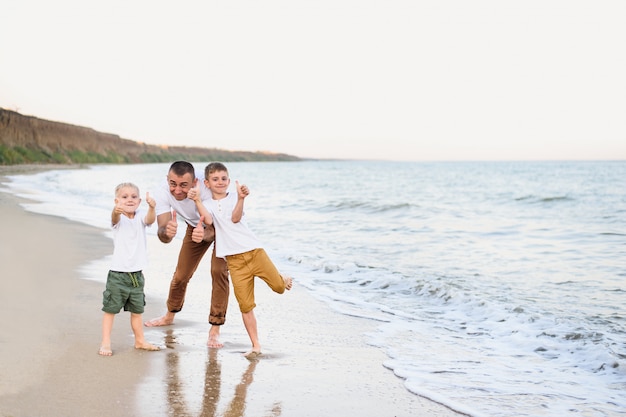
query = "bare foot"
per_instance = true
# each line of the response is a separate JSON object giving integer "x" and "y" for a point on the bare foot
{"x": 105, "y": 351}
{"x": 253, "y": 354}
{"x": 147, "y": 346}
{"x": 288, "y": 282}
{"x": 214, "y": 342}
{"x": 214, "y": 338}
{"x": 165, "y": 320}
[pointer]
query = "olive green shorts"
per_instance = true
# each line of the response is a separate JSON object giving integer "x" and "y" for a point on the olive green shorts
{"x": 124, "y": 290}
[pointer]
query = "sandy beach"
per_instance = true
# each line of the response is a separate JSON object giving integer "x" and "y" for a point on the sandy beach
{"x": 315, "y": 362}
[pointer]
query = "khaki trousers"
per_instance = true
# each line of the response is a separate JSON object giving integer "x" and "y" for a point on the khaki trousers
{"x": 244, "y": 267}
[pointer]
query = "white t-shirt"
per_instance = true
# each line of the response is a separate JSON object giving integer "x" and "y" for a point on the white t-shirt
{"x": 165, "y": 202}
{"x": 130, "y": 252}
{"x": 230, "y": 238}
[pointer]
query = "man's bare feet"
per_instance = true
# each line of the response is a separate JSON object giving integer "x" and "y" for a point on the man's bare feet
{"x": 164, "y": 320}
{"x": 214, "y": 337}
{"x": 105, "y": 351}
{"x": 288, "y": 282}
{"x": 147, "y": 346}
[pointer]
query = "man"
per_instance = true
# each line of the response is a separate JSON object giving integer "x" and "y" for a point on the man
{"x": 171, "y": 200}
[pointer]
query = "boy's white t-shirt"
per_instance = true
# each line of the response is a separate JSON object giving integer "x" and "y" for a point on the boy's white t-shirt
{"x": 230, "y": 238}
{"x": 130, "y": 253}
{"x": 165, "y": 202}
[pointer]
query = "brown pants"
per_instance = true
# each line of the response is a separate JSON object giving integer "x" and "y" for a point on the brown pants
{"x": 189, "y": 258}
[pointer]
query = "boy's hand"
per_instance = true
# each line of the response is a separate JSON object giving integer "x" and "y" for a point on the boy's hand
{"x": 194, "y": 193}
{"x": 118, "y": 209}
{"x": 151, "y": 201}
{"x": 198, "y": 232}
{"x": 242, "y": 190}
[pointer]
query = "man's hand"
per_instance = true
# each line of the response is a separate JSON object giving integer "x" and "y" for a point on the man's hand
{"x": 171, "y": 227}
{"x": 197, "y": 235}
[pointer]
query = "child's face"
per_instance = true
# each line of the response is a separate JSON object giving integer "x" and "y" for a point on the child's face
{"x": 218, "y": 182}
{"x": 128, "y": 199}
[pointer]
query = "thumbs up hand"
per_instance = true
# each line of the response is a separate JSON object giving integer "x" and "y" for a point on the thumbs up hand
{"x": 171, "y": 227}
{"x": 151, "y": 201}
{"x": 198, "y": 232}
{"x": 242, "y": 190}
{"x": 194, "y": 193}
{"x": 118, "y": 209}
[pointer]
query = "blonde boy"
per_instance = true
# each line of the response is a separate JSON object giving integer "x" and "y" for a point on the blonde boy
{"x": 125, "y": 281}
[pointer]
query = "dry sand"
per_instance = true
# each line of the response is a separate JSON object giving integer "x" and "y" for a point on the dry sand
{"x": 316, "y": 362}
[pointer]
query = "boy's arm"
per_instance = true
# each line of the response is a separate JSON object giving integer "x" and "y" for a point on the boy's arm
{"x": 197, "y": 235}
{"x": 194, "y": 194}
{"x": 202, "y": 210}
{"x": 238, "y": 211}
{"x": 151, "y": 216}
{"x": 242, "y": 193}
{"x": 115, "y": 215}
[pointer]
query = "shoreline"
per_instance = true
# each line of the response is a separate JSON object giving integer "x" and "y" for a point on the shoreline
{"x": 53, "y": 318}
{"x": 315, "y": 361}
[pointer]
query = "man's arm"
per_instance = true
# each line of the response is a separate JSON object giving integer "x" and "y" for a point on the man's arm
{"x": 167, "y": 226}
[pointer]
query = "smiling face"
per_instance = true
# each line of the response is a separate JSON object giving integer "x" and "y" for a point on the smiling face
{"x": 180, "y": 184}
{"x": 127, "y": 197}
{"x": 218, "y": 182}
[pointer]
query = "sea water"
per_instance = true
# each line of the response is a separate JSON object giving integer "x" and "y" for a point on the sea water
{"x": 499, "y": 287}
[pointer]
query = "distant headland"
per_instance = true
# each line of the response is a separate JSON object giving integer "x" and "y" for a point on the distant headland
{"x": 30, "y": 140}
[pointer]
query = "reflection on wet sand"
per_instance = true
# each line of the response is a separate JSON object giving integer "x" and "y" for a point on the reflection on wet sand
{"x": 212, "y": 386}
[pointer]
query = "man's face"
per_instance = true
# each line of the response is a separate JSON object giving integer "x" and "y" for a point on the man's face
{"x": 179, "y": 186}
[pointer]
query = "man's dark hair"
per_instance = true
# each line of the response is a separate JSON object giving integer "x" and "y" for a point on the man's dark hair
{"x": 181, "y": 168}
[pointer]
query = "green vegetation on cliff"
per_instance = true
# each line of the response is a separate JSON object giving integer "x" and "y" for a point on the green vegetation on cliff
{"x": 29, "y": 140}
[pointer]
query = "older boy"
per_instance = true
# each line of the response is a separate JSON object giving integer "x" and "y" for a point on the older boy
{"x": 235, "y": 242}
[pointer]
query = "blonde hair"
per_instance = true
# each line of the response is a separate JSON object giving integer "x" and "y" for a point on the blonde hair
{"x": 124, "y": 185}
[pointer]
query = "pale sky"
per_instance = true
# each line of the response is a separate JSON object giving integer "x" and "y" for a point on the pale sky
{"x": 358, "y": 79}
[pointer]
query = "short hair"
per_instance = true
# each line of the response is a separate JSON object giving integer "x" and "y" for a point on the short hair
{"x": 124, "y": 185}
{"x": 181, "y": 168}
{"x": 214, "y": 167}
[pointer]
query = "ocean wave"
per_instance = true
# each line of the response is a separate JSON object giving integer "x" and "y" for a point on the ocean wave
{"x": 364, "y": 205}
{"x": 538, "y": 199}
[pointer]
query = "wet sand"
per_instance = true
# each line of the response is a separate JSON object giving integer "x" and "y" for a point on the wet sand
{"x": 315, "y": 361}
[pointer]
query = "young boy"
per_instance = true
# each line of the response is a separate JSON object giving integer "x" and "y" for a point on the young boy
{"x": 235, "y": 242}
{"x": 125, "y": 281}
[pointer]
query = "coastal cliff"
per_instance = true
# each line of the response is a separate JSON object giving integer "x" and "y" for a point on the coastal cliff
{"x": 28, "y": 139}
